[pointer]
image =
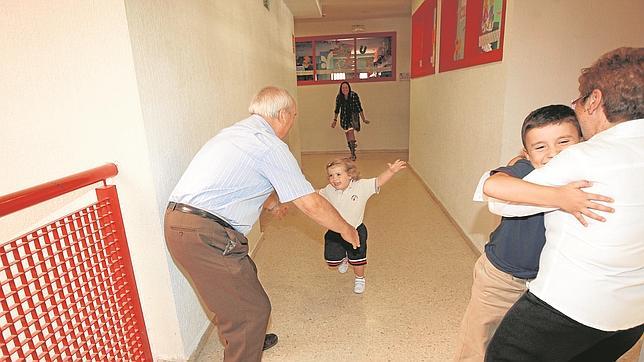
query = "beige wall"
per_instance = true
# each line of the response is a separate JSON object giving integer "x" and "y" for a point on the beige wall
{"x": 466, "y": 121}
{"x": 143, "y": 84}
{"x": 386, "y": 104}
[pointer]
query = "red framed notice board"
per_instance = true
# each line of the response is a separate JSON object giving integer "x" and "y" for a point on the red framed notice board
{"x": 471, "y": 33}
{"x": 423, "y": 39}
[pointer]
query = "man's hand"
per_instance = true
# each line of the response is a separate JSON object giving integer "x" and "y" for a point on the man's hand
{"x": 351, "y": 235}
{"x": 279, "y": 211}
{"x": 321, "y": 211}
{"x": 579, "y": 203}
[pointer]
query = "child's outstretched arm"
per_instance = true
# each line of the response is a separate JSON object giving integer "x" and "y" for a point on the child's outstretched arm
{"x": 392, "y": 169}
{"x": 569, "y": 198}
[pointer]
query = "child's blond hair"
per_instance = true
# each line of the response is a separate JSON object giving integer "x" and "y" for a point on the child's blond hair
{"x": 349, "y": 166}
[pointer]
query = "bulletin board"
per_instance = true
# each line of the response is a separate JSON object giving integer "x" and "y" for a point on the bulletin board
{"x": 471, "y": 33}
{"x": 423, "y": 39}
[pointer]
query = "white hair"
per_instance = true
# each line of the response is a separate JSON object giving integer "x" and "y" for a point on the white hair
{"x": 270, "y": 101}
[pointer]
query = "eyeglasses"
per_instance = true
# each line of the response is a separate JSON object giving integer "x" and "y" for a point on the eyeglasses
{"x": 573, "y": 103}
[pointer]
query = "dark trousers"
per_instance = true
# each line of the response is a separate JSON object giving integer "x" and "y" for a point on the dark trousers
{"x": 534, "y": 331}
{"x": 227, "y": 285}
{"x": 336, "y": 248}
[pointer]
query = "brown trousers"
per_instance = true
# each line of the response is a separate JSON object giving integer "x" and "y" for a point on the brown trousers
{"x": 227, "y": 285}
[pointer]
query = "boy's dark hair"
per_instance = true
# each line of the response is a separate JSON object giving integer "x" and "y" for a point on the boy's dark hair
{"x": 544, "y": 116}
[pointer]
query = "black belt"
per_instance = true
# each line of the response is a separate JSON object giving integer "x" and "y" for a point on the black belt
{"x": 199, "y": 212}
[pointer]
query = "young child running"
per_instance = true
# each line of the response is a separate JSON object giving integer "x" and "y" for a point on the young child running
{"x": 349, "y": 194}
{"x": 511, "y": 257}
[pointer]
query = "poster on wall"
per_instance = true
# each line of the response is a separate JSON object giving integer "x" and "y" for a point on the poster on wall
{"x": 459, "y": 40}
{"x": 423, "y": 39}
{"x": 471, "y": 33}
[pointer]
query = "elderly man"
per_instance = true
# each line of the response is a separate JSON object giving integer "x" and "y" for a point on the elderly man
{"x": 216, "y": 203}
{"x": 587, "y": 302}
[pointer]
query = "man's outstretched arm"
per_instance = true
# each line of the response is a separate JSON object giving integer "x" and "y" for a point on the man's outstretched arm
{"x": 322, "y": 212}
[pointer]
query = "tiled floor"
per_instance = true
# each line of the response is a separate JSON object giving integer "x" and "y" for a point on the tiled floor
{"x": 418, "y": 280}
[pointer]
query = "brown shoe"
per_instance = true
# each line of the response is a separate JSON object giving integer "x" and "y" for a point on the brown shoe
{"x": 269, "y": 341}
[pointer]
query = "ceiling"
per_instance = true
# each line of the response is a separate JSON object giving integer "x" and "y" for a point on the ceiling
{"x": 315, "y": 10}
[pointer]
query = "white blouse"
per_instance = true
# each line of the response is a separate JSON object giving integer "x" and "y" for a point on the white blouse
{"x": 594, "y": 274}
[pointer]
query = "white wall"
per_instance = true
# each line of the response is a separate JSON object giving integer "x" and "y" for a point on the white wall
{"x": 455, "y": 127}
{"x": 466, "y": 121}
{"x": 543, "y": 65}
{"x": 70, "y": 102}
{"x": 386, "y": 104}
{"x": 143, "y": 84}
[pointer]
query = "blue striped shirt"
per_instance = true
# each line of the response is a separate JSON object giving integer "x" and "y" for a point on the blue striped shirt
{"x": 235, "y": 172}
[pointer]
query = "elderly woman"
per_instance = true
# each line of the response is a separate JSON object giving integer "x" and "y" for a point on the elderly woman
{"x": 587, "y": 302}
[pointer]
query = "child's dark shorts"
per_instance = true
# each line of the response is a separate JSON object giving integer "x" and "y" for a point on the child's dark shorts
{"x": 336, "y": 248}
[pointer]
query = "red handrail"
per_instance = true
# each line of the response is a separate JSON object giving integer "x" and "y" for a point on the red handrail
{"x": 34, "y": 195}
{"x": 69, "y": 290}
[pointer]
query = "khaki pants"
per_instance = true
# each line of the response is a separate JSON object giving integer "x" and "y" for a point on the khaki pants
{"x": 227, "y": 285}
{"x": 493, "y": 293}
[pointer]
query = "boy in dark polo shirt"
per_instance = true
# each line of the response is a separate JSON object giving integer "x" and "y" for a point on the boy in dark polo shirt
{"x": 511, "y": 256}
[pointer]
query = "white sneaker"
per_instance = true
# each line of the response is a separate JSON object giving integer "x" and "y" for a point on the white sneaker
{"x": 359, "y": 285}
{"x": 344, "y": 266}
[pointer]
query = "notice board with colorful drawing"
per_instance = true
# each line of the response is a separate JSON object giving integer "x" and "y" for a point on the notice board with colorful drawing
{"x": 471, "y": 33}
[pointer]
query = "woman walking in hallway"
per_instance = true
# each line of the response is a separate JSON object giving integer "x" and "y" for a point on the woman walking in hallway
{"x": 347, "y": 105}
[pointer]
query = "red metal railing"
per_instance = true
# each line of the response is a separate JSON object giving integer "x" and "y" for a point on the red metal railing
{"x": 67, "y": 289}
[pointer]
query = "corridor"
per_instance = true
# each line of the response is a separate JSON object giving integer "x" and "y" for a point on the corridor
{"x": 144, "y": 85}
{"x": 418, "y": 279}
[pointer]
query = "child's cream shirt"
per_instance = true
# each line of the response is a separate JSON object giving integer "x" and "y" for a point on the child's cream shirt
{"x": 352, "y": 201}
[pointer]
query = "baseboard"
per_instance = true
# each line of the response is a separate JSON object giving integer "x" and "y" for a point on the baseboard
{"x": 360, "y": 151}
{"x": 460, "y": 230}
{"x": 258, "y": 243}
{"x": 202, "y": 342}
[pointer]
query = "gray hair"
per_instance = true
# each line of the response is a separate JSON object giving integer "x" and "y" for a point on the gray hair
{"x": 270, "y": 101}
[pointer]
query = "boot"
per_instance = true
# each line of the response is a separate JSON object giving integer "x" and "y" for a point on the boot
{"x": 352, "y": 148}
